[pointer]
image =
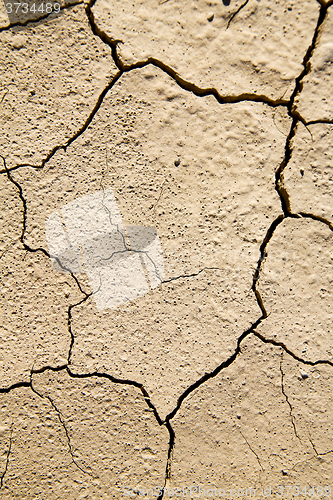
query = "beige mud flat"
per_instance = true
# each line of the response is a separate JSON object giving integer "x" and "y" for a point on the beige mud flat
{"x": 166, "y": 250}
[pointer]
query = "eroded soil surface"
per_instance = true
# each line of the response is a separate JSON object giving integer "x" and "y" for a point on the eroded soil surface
{"x": 166, "y": 250}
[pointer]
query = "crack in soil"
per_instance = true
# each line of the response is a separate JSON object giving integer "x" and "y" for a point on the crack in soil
{"x": 253, "y": 451}
{"x": 105, "y": 375}
{"x": 62, "y": 423}
{"x": 318, "y": 456}
{"x": 296, "y": 117}
{"x": 24, "y": 222}
{"x": 279, "y": 186}
{"x": 323, "y": 3}
{"x": 214, "y": 372}
{"x": 69, "y": 325}
{"x": 181, "y": 82}
{"x": 317, "y": 218}
{"x": 73, "y": 375}
{"x": 204, "y": 92}
{"x": 192, "y": 275}
{"x": 263, "y": 255}
{"x": 236, "y": 12}
{"x": 184, "y": 84}
{"x": 288, "y": 351}
{"x": 2, "y": 477}
{"x": 77, "y": 134}
{"x": 320, "y": 120}
{"x": 313, "y": 445}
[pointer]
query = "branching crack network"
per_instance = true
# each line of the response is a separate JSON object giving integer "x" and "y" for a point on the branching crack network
{"x": 296, "y": 118}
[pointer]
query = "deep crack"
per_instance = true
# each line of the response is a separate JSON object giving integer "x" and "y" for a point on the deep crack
{"x": 73, "y": 138}
{"x": 253, "y": 451}
{"x": 213, "y": 373}
{"x": 288, "y": 351}
{"x": 24, "y": 224}
{"x": 296, "y": 117}
{"x": 263, "y": 255}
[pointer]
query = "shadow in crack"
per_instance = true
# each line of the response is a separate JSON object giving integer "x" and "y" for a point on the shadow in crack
{"x": 22, "y": 13}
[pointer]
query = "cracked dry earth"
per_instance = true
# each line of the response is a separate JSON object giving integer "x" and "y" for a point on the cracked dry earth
{"x": 210, "y": 122}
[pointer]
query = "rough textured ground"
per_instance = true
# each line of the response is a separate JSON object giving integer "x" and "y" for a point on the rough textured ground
{"x": 210, "y": 122}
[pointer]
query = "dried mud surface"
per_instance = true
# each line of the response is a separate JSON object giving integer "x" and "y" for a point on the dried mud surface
{"x": 211, "y": 122}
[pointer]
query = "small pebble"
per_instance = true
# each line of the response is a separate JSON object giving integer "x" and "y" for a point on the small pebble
{"x": 304, "y": 375}
{"x": 210, "y": 18}
{"x": 18, "y": 42}
{"x": 177, "y": 163}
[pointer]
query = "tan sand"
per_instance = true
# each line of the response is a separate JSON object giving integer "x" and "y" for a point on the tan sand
{"x": 166, "y": 250}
